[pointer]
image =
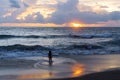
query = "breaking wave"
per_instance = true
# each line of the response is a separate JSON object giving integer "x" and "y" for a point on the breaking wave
{"x": 19, "y": 50}
{"x": 22, "y": 47}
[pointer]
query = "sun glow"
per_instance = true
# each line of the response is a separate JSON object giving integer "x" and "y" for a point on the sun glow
{"x": 76, "y": 25}
{"x": 78, "y": 69}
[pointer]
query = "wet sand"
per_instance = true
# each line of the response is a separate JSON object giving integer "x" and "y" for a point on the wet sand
{"x": 106, "y": 75}
{"x": 72, "y": 67}
{"x": 98, "y": 67}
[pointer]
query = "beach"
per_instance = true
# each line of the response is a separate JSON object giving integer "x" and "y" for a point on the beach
{"x": 59, "y": 40}
{"x": 76, "y": 54}
{"x": 72, "y": 67}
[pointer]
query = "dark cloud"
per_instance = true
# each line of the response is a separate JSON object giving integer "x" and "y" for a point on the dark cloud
{"x": 69, "y": 5}
{"x": 91, "y": 17}
{"x": 25, "y": 4}
{"x": 65, "y": 12}
{"x": 115, "y": 15}
{"x": 68, "y": 11}
{"x": 14, "y": 3}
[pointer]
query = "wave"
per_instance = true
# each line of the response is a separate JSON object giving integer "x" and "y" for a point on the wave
{"x": 83, "y": 36}
{"x": 7, "y": 36}
{"x": 19, "y": 50}
{"x": 96, "y": 36}
{"x": 32, "y": 36}
{"x": 15, "y": 36}
{"x": 22, "y": 47}
{"x": 112, "y": 42}
{"x": 84, "y": 46}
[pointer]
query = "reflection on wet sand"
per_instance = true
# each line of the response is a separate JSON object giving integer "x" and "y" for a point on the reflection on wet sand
{"x": 36, "y": 76}
{"x": 78, "y": 69}
{"x": 60, "y": 68}
{"x": 75, "y": 70}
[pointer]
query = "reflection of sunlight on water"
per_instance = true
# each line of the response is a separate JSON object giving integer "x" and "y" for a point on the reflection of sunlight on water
{"x": 36, "y": 76}
{"x": 74, "y": 71}
{"x": 61, "y": 68}
{"x": 105, "y": 67}
{"x": 78, "y": 69}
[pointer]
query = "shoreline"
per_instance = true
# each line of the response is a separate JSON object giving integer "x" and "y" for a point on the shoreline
{"x": 91, "y": 65}
{"x": 106, "y": 75}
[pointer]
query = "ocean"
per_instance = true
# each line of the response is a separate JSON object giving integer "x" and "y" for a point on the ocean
{"x": 25, "y": 42}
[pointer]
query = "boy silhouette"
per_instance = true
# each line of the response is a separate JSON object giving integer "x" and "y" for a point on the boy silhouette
{"x": 50, "y": 58}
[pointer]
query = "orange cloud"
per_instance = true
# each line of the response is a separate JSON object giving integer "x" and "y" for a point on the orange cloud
{"x": 45, "y": 7}
{"x": 44, "y": 11}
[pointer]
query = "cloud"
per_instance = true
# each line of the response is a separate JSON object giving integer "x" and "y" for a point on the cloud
{"x": 43, "y": 10}
{"x": 58, "y": 13}
{"x": 14, "y": 3}
{"x": 35, "y": 18}
{"x": 65, "y": 12}
{"x": 25, "y": 4}
{"x": 104, "y": 7}
{"x": 115, "y": 15}
{"x": 68, "y": 12}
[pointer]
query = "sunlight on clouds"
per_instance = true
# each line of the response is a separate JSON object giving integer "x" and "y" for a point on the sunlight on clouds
{"x": 45, "y": 2}
{"x": 44, "y": 11}
{"x": 44, "y": 7}
{"x": 9, "y": 13}
{"x": 49, "y": 2}
{"x": 98, "y": 6}
{"x": 35, "y": 16}
{"x": 101, "y": 12}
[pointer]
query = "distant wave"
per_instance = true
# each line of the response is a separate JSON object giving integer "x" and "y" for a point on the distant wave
{"x": 83, "y": 36}
{"x": 32, "y": 36}
{"x": 84, "y": 46}
{"x": 22, "y": 47}
{"x": 7, "y": 36}
{"x": 15, "y": 36}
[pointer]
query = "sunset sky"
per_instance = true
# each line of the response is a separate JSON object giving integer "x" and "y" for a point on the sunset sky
{"x": 52, "y": 13}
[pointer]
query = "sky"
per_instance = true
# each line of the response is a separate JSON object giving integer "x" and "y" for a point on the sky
{"x": 52, "y": 13}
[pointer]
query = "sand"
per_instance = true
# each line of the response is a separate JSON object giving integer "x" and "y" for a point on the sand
{"x": 106, "y": 75}
{"x": 72, "y": 67}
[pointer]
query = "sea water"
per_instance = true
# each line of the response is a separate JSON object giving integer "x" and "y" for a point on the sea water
{"x": 24, "y": 42}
